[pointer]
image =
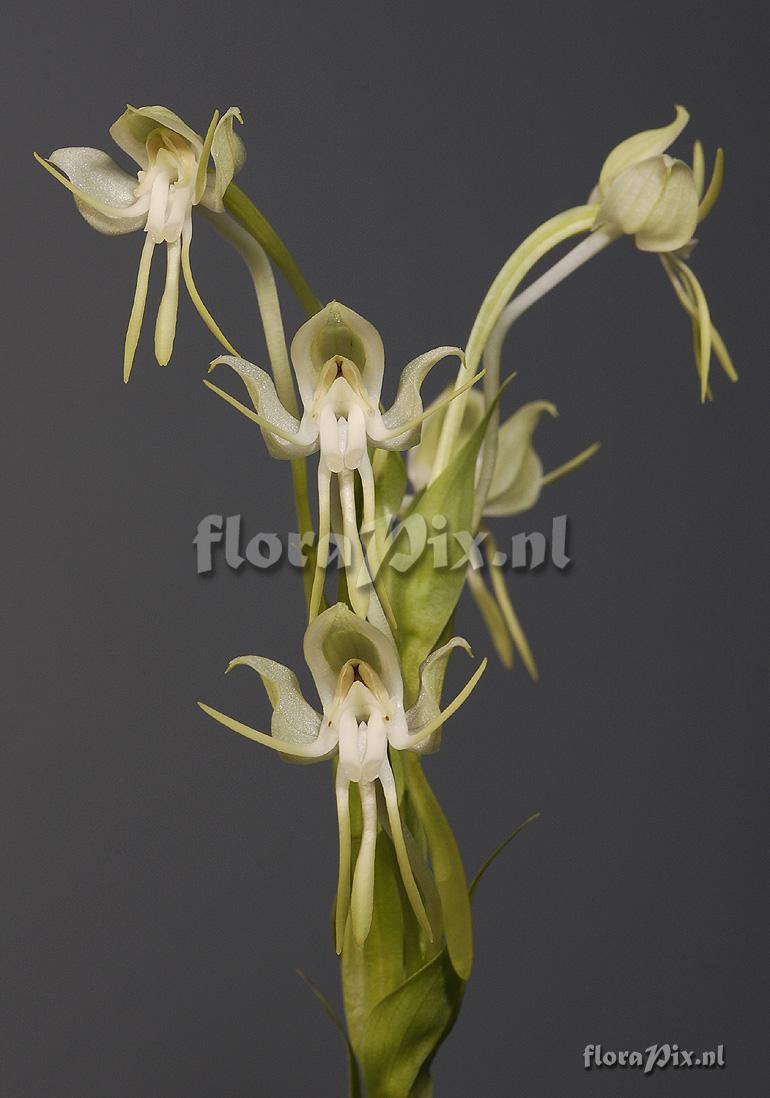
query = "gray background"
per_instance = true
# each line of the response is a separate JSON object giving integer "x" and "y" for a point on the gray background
{"x": 163, "y": 878}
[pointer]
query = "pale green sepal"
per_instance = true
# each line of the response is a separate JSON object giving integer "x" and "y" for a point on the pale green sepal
{"x": 406, "y": 1029}
{"x": 201, "y": 177}
{"x": 498, "y": 851}
{"x": 131, "y": 130}
{"x": 338, "y": 635}
{"x": 280, "y": 429}
{"x": 672, "y": 220}
{"x": 518, "y": 472}
{"x": 354, "y": 1076}
{"x": 447, "y": 866}
{"x": 229, "y": 154}
{"x": 641, "y": 146}
{"x": 633, "y": 195}
{"x": 402, "y": 420}
{"x": 428, "y": 704}
{"x": 103, "y": 192}
{"x": 294, "y": 719}
{"x": 714, "y": 187}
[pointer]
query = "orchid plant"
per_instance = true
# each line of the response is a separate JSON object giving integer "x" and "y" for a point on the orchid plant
{"x": 378, "y": 651}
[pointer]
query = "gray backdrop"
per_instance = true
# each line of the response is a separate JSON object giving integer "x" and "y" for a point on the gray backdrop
{"x": 163, "y": 878}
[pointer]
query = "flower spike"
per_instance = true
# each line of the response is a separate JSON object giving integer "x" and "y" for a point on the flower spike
{"x": 358, "y": 677}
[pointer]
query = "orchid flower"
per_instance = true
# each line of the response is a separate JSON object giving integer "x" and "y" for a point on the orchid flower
{"x": 339, "y": 362}
{"x": 358, "y": 677}
{"x": 515, "y": 486}
{"x": 659, "y": 201}
{"x": 173, "y": 177}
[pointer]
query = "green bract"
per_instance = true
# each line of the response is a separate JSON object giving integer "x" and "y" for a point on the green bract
{"x": 173, "y": 177}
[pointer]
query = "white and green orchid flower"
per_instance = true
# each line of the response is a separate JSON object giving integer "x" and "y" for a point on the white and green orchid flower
{"x": 174, "y": 176}
{"x": 339, "y": 362}
{"x": 358, "y": 677}
{"x": 659, "y": 200}
{"x": 515, "y": 486}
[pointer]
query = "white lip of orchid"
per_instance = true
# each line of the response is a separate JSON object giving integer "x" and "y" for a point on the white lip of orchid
{"x": 341, "y": 409}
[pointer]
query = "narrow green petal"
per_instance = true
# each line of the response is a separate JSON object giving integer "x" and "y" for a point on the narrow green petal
{"x": 703, "y": 353}
{"x": 137, "y": 309}
{"x": 324, "y": 530}
{"x": 671, "y": 223}
{"x": 415, "y": 737}
{"x": 493, "y": 619}
{"x": 714, "y": 187}
{"x": 265, "y": 424}
{"x": 641, "y": 146}
{"x": 229, "y": 155}
{"x": 117, "y": 213}
{"x": 698, "y": 167}
{"x": 569, "y": 466}
{"x": 438, "y": 406}
{"x": 203, "y": 163}
{"x": 318, "y": 750}
{"x": 509, "y": 614}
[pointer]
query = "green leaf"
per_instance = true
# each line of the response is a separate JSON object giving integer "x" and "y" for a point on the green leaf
{"x": 447, "y": 865}
{"x": 495, "y": 853}
{"x": 405, "y": 1030}
{"x": 354, "y": 1076}
{"x": 254, "y": 221}
{"x": 424, "y": 595}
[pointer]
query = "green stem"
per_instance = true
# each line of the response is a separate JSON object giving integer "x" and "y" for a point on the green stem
{"x": 254, "y": 221}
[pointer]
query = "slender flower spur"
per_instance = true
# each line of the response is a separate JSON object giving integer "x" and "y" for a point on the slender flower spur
{"x": 173, "y": 177}
{"x": 339, "y": 361}
{"x": 660, "y": 201}
{"x": 358, "y": 677}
